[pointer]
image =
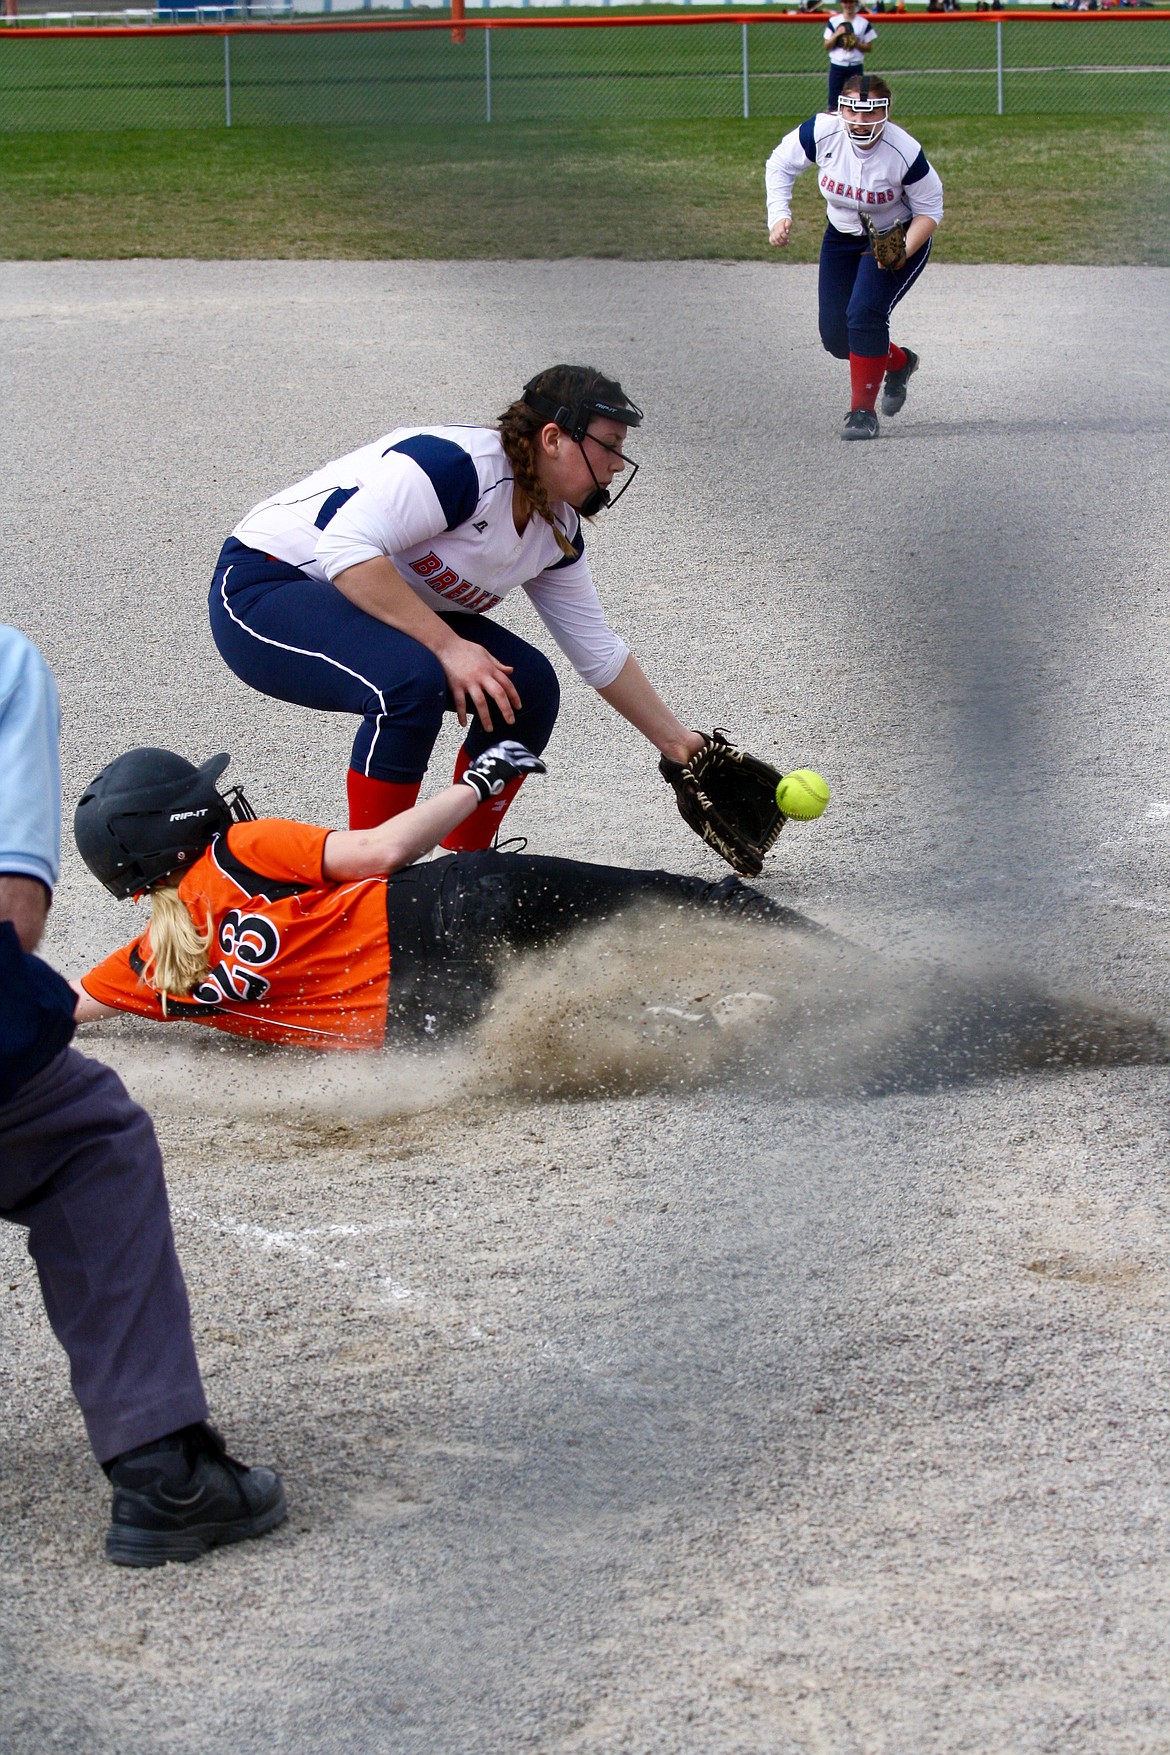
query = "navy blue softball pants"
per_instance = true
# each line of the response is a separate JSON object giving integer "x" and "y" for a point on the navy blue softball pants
{"x": 856, "y": 296}
{"x": 301, "y": 640}
{"x": 837, "y": 78}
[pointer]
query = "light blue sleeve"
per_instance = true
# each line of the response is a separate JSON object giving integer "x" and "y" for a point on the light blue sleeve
{"x": 30, "y": 766}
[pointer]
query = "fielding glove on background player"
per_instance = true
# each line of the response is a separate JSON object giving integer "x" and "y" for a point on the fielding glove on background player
{"x": 889, "y": 248}
{"x": 492, "y": 769}
{"x": 729, "y": 799}
{"x": 846, "y": 38}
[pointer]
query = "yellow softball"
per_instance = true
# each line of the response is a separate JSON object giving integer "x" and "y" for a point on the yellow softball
{"x": 803, "y": 794}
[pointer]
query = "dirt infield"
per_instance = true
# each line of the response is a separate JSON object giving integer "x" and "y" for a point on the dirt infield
{"x": 759, "y": 1380}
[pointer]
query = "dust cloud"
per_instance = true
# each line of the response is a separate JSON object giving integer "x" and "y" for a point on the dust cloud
{"x": 660, "y": 1000}
{"x": 651, "y": 1002}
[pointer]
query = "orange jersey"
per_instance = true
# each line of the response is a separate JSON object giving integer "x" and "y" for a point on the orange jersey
{"x": 294, "y": 958}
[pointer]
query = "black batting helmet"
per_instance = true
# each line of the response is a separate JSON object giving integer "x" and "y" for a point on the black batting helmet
{"x": 150, "y": 812}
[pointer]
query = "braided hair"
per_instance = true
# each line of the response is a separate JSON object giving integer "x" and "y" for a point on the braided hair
{"x": 519, "y": 425}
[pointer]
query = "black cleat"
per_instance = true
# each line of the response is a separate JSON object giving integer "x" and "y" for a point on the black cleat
{"x": 175, "y": 1499}
{"x": 894, "y": 393}
{"x": 860, "y": 423}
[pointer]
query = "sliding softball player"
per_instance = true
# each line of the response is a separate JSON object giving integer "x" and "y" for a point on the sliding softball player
{"x": 334, "y": 939}
{"x": 884, "y": 203}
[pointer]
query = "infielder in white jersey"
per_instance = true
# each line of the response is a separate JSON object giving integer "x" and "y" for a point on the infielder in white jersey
{"x": 849, "y": 36}
{"x": 366, "y": 589}
{"x": 874, "y": 176}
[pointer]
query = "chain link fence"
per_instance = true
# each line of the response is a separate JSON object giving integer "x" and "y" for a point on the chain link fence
{"x": 569, "y": 69}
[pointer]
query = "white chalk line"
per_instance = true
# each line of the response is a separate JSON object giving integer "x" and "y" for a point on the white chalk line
{"x": 266, "y": 1241}
{"x": 302, "y": 1244}
{"x": 263, "y": 1240}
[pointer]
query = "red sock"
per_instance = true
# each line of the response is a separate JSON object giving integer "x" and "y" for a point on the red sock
{"x": 866, "y": 374}
{"x": 372, "y": 801}
{"x": 896, "y": 358}
{"x": 479, "y": 829}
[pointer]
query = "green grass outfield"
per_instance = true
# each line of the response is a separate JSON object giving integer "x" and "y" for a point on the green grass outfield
{"x": 627, "y": 73}
{"x": 1018, "y": 190}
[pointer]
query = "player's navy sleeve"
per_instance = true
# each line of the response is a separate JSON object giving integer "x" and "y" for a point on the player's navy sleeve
{"x": 795, "y": 153}
{"x": 923, "y": 190}
{"x": 578, "y": 542}
{"x": 450, "y": 472}
{"x": 36, "y": 1014}
{"x": 419, "y": 486}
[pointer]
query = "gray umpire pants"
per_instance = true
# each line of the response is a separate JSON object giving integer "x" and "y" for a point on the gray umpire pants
{"x": 80, "y": 1168}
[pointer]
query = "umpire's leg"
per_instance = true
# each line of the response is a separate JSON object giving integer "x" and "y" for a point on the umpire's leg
{"x": 80, "y": 1168}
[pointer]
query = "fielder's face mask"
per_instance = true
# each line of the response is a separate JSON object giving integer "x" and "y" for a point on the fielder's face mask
{"x": 864, "y": 116}
{"x": 574, "y": 420}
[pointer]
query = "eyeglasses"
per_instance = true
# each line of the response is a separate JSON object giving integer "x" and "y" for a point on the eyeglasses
{"x": 614, "y": 451}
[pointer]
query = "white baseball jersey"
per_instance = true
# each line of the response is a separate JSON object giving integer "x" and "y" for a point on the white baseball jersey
{"x": 438, "y": 502}
{"x": 888, "y": 181}
{"x": 862, "y": 30}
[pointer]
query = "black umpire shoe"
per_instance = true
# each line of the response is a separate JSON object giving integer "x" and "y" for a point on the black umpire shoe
{"x": 894, "y": 393}
{"x": 183, "y": 1494}
{"x": 860, "y": 423}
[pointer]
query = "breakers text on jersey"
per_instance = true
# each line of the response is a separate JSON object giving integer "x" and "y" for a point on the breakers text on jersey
{"x": 447, "y": 583}
{"x": 864, "y": 197}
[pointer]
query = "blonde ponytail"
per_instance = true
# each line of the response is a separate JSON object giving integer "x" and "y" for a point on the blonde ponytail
{"x": 178, "y": 950}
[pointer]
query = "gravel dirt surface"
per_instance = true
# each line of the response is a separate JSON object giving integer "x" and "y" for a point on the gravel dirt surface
{"x": 766, "y": 1382}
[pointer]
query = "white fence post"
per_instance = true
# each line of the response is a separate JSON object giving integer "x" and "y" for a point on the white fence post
{"x": 227, "y": 80}
{"x": 487, "y": 68}
{"x": 745, "y": 74}
{"x": 999, "y": 66}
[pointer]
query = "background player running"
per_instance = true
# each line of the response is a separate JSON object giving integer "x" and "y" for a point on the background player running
{"x": 290, "y": 933}
{"x": 849, "y": 36}
{"x": 871, "y": 173}
{"x": 366, "y": 589}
